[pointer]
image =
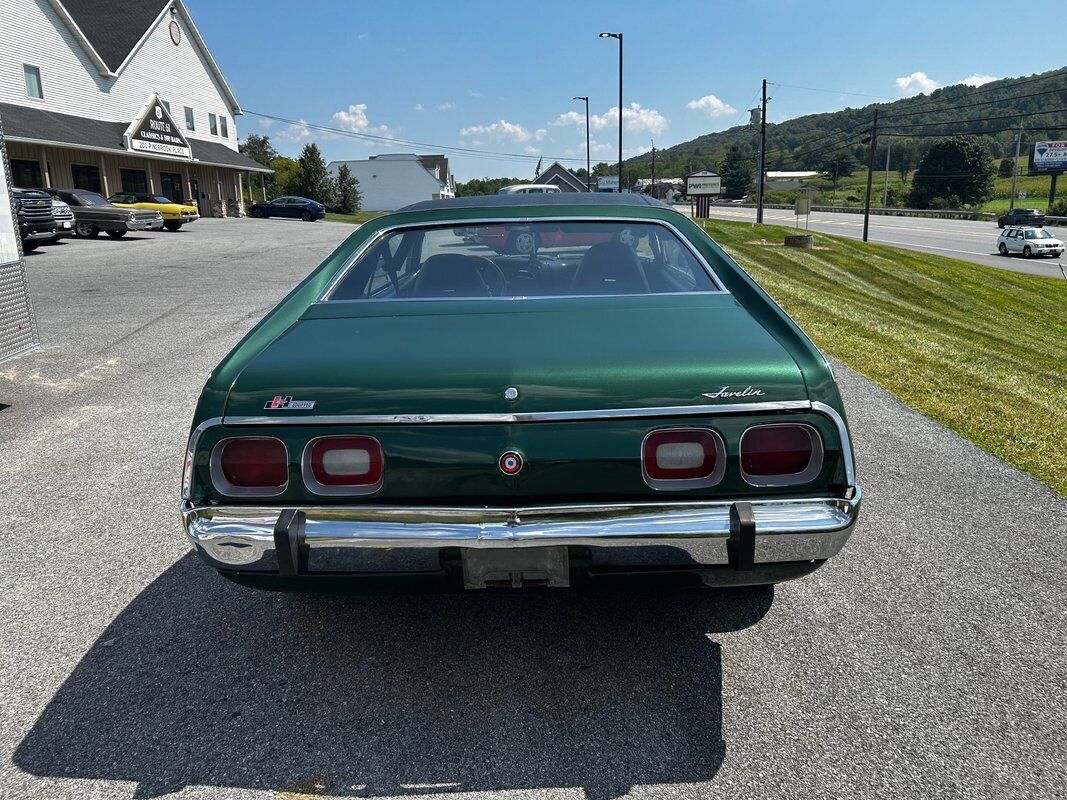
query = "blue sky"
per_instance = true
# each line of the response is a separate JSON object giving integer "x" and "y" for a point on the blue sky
{"x": 498, "y": 76}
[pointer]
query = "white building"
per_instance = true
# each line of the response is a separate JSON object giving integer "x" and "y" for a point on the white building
{"x": 394, "y": 180}
{"x": 117, "y": 96}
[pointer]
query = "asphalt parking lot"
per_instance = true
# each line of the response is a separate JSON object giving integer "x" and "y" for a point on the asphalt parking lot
{"x": 927, "y": 660}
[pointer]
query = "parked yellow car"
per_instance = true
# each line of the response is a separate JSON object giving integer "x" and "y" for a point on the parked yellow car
{"x": 174, "y": 214}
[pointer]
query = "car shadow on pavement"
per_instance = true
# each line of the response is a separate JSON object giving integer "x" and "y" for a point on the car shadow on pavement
{"x": 202, "y": 682}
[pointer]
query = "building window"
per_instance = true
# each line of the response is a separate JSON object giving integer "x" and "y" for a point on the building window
{"x": 33, "y": 82}
{"x": 225, "y": 132}
{"x": 190, "y": 123}
{"x": 86, "y": 177}
{"x": 134, "y": 180}
{"x": 25, "y": 174}
{"x": 213, "y": 124}
{"x": 170, "y": 184}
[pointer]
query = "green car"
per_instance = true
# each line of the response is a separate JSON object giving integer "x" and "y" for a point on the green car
{"x": 620, "y": 399}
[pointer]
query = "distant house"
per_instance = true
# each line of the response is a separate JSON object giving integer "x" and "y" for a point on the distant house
{"x": 560, "y": 176}
{"x": 788, "y": 180}
{"x": 394, "y": 180}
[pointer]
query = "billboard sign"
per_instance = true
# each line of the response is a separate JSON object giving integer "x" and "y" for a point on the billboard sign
{"x": 698, "y": 183}
{"x": 1048, "y": 157}
{"x": 607, "y": 183}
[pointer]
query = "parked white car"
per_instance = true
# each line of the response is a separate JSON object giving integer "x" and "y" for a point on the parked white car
{"x": 1030, "y": 242}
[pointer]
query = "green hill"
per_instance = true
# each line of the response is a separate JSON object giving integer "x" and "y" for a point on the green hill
{"x": 807, "y": 142}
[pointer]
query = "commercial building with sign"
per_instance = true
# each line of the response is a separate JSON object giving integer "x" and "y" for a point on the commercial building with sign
{"x": 117, "y": 96}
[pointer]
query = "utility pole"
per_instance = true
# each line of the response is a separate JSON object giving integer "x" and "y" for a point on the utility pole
{"x": 870, "y": 175}
{"x": 885, "y": 193}
{"x": 762, "y": 155}
{"x": 1015, "y": 166}
{"x": 653, "y": 168}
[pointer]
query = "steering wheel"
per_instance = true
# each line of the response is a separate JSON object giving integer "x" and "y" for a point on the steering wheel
{"x": 493, "y": 277}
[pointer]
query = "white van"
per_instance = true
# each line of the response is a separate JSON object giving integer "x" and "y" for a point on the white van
{"x": 529, "y": 188}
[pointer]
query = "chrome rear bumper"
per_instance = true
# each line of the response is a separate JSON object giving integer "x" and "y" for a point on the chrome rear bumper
{"x": 242, "y": 538}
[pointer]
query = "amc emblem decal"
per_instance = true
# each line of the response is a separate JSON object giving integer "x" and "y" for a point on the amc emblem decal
{"x": 510, "y": 463}
{"x": 280, "y": 403}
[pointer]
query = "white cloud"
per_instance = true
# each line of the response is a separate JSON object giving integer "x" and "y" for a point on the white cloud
{"x": 355, "y": 119}
{"x": 363, "y": 36}
{"x": 418, "y": 107}
{"x": 977, "y": 80}
{"x": 916, "y": 83}
{"x": 473, "y": 93}
{"x": 531, "y": 150}
{"x": 712, "y": 106}
{"x": 295, "y": 132}
{"x": 503, "y": 130}
{"x": 445, "y": 106}
{"x": 635, "y": 118}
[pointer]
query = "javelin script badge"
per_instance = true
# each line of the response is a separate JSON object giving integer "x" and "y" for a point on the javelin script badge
{"x": 725, "y": 391}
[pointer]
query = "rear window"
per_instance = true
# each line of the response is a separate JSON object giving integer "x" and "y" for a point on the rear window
{"x": 523, "y": 259}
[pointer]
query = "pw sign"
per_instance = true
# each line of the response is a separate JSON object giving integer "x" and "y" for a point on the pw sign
{"x": 700, "y": 183}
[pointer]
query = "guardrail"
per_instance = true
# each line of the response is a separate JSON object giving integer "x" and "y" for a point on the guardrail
{"x": 904, "y": 212}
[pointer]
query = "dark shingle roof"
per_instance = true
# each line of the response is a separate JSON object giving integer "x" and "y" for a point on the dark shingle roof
{"x": 36, "y": 124}
{"x": 113, "y": 27}
{"x": 561, "y": 199}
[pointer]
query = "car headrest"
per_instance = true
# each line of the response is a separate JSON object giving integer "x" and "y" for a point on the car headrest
{"x": 453, "y": 275}
{"x": 610, "y": 268}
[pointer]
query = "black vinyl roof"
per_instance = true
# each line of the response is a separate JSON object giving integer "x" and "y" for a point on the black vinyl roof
{"x": 39, "y": 125}
{"x": 113, "y": 27}
{"x": 551, "y": 199}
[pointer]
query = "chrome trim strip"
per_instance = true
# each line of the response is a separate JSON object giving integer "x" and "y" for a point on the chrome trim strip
{"x": 534, "y": 416}
{"x": 343, "y": 272}
{"x": 190, "y": 451}
{"x": 846, "y": 441}
{"x": 242, "y": 537}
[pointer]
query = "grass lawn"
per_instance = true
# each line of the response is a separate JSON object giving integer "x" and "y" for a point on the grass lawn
{"x": 355, "y": 219}
{"x": 979, "y": 349}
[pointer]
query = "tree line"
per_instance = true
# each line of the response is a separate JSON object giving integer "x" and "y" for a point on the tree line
{"x": 306, "y": 176}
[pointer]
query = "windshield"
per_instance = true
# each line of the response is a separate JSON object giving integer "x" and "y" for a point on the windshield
{"x": 161, "y": 199}
{"x": 523, "y": 259}
{"x": 1038, "y": 235}
{"x": 90, "y": 199}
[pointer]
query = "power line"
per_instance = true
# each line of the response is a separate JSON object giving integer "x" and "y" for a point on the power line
{"x": 1016, "y": 115}
{"x": 830, "y": 91}
{"x": 490, "y": 154}
{"x": 973, "y": 105}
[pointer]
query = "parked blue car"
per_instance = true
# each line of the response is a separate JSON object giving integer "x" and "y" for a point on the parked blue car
{"x": 295, "y": 207}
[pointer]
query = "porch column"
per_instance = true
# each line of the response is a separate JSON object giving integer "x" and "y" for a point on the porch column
{"x": 103, "y": 176}
{"x": 241, "y": 192}
{"x": 46, "y": 176}
{"x": 263, "y": 185}
{"x": 188, "y": 188}
{"x": 218, "y": 188}
{"x": 151, "y": 177}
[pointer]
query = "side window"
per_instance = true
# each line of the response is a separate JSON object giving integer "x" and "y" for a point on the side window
{"x": 190, "y": 121}
{"x": 679, "y": 263}
{"x": 213, "y": 124}
{"x": 225, "y": 131}
{"x": 32, "y": 76}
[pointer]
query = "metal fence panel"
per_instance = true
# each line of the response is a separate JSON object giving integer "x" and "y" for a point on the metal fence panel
{"x": 18, "y": 326}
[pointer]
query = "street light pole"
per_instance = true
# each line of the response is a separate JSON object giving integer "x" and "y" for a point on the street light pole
{"x": 588, "y": 169}
{"x": 619, "y": 37}
{"x": 762, "y": 155}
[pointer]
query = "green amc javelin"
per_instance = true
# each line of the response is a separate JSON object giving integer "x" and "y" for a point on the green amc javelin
{"x": 522, "y": 390}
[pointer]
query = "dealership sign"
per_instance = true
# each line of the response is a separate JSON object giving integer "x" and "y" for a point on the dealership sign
{"x": 703, "y": 182}
{"x": 155, "y": 131}
{"x": 1049, "y": 157}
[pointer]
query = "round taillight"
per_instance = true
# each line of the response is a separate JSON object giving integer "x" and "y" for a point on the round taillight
{"x": 780, "y": 455}
{"x": 683, "y": 458}
{"x": 250, "y": 466}
{"x": 344, "y": 465}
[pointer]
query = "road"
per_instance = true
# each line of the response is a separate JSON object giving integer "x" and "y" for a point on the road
{"x": 963, "y": 239}
{"x": 927, "y": 660}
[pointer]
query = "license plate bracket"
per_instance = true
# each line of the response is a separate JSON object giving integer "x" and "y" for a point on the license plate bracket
{"x": 516, "y": 567}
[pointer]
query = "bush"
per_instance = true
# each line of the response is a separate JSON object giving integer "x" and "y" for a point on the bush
{"x": 1059, "y": 209}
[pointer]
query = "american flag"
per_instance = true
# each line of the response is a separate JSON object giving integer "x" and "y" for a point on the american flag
{"x": 537, "y": 171}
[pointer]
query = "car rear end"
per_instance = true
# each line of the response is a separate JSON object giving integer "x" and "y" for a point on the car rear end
{"x": 505, "y": 435}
